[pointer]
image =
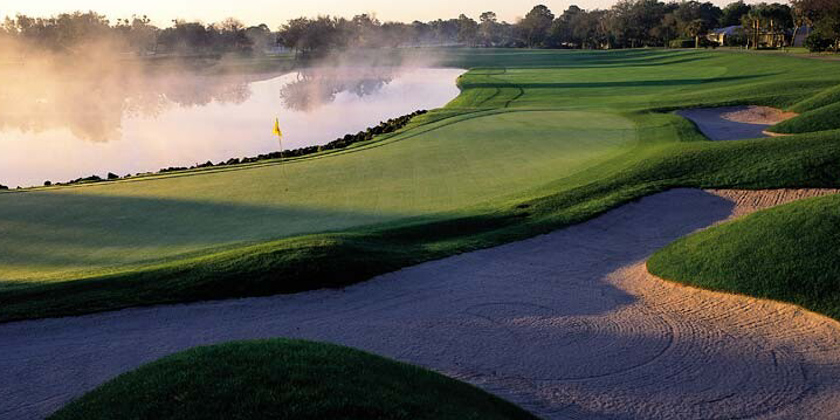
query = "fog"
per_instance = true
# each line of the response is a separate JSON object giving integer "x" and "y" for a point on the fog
{"x": 63, "y": 117}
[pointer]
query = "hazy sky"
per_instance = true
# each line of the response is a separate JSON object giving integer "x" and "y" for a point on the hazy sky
{"x": 275, "y": 12}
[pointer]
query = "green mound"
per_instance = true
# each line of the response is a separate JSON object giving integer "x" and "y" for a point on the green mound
{"x": 285, "y": 379}
{"x": 790, "y": 253}
{"x": 826, "y": 97}
{"x": 820, "y": 119}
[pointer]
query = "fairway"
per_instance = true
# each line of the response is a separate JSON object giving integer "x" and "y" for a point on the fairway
{"x": 61, "y": 233}
{"x": 536, "y": 141}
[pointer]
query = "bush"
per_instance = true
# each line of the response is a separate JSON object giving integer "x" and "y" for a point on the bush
{"x": 707, "y": 43}
{"x": 816, "y": 42}
{"x": 682, "y": 43}
{"x": 690, "y": 43}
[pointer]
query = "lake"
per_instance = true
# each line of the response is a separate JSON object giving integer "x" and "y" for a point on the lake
{"x": 59, "y": 129}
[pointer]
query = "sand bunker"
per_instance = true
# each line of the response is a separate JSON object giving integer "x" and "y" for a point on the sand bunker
{"x": 569, "y": 325}
{"x": 736, "y": 123}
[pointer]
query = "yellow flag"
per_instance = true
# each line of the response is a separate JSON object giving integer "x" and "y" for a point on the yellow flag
{"x": 277, "y": 131}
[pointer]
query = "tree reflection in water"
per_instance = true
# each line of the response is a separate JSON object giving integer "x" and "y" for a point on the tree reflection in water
{"x": 316, "y": 87}
{"x": 91, "y": 103}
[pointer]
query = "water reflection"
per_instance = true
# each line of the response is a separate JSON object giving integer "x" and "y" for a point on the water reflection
{"x": 63, "y": 125}
{"x": 92, "y": 106}
{"x": 313, "y": 88}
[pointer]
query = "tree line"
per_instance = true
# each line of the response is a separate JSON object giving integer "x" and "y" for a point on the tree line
{"x": 627, "y": 24}
{"x": 81, "y": 33}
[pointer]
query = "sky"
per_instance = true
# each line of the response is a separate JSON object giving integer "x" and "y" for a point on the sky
{"x": 276, "y": 12}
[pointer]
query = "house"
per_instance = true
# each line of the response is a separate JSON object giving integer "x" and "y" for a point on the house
{"x": 801, "y": 35}
{"x": 720, "y": 35}
{"x": 740, "y": 36}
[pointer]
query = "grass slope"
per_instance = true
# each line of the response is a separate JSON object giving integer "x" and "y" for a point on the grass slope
{"x": 827, "y": 97}
{"x": 285, "y": 379}
{"x": 537, "y": 140}
{"x": 820, "y": 119}
{"x": 790, "y": 253}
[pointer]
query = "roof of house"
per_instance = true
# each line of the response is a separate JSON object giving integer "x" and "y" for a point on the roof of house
{"x": 729, "y": 30}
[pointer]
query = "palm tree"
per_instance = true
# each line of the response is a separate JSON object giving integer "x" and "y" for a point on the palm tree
{"x": 695, "y": 28}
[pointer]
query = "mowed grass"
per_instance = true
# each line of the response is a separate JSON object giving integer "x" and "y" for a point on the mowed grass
{"x": 67, "y": 233}
{"x": 790, "y": 253}
{"x": 536, "y": 141}
{"x": 285, "y": 379}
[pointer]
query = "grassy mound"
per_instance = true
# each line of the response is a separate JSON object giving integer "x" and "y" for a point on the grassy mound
{"x": 790, "y": 253}
{"x": 820, "y": 119}
{"x": 285, "y": 379}
{"x": 827, "y": 97}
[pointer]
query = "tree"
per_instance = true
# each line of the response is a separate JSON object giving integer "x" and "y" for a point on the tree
{"x": 488, "y": 29}
{"x": 562, "y": 30}
{"x": 314, "y": 36}
{"x": 823, "y": 16}
{"x": 733, "y": 13}
{"x": 535, "y": 26}
{"x": 260, "y": 37}
{"x": 366, "y": 30}
{"x": 467, "y": 31}
{"x": 668, "y": 29}
{"x": 768, "y": 19}
{"x": 229, "y": 36}
{"x": 635, "y": 21}
{"x": 696, "y": 19}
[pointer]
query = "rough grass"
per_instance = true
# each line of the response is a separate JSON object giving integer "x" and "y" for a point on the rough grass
{"x": 536, "y": 141}
{"x": 820, "y": 119}
{"x": 827, "y": 97}
{"x": 285, "y": 379}
{"x": 790, "y": 253}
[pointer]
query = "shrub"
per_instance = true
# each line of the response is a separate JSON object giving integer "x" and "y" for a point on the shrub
{"x": 707, "y": 43}
{"x": 816, "y": 42}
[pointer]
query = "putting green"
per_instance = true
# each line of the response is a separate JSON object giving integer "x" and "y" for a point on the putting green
{"x": 64, "y": 233}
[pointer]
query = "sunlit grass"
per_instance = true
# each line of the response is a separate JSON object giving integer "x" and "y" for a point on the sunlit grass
{"x": 790, "y": 253}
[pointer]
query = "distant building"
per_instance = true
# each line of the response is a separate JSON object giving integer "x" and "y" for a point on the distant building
{"x": 801, "y": 35}
{"x": 738, "y": 35}
{"x": 721, "y": 35}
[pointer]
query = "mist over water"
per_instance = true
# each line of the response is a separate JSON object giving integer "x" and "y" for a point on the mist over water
{"x": 62, "y": 125}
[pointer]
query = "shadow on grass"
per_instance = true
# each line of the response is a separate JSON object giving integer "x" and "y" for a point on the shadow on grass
{"x": 291, "y": 265}
{"x": 42, "y": 224}
{"x": 595, "y": 85}
{"x": 473, "y": 301}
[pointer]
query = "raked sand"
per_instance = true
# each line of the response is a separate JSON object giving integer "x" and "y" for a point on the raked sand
{"x": 569, "y": 325}
{"x": 736, "y": 122}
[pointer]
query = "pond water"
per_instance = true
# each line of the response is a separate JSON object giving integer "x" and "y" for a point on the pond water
{"x": 64, "y": 129}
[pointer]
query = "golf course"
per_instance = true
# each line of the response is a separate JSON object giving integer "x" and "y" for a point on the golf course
{"x": 558, "y": 235}
{"x": 537, "y": 140}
